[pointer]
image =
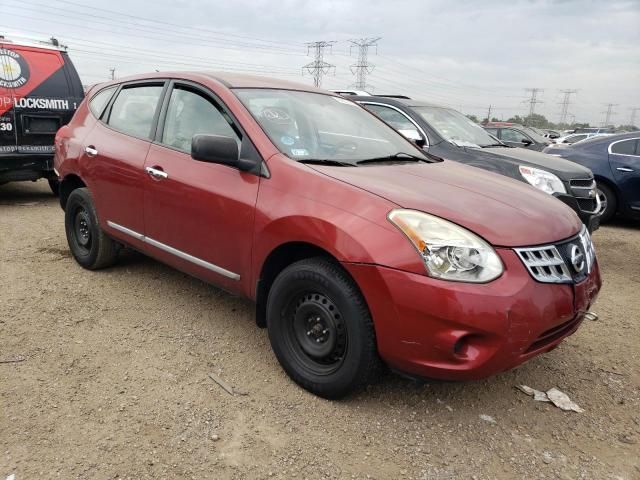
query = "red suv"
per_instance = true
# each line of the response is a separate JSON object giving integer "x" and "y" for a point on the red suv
{"x": 357, "y": 247}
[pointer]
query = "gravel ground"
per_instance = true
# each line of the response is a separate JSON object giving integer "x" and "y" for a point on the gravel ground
{"x": 114, "y": 382}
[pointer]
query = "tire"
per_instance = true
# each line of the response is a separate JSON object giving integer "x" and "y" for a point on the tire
{"x": 321, "y": 330}
{"x": 54, "y": 185}
{"x": 609, "y": 202}
{"x": 89, "y": 245}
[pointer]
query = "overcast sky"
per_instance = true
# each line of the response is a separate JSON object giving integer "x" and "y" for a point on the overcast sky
{"x": 466, "y": 54}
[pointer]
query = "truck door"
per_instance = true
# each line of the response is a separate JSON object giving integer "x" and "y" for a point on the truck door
{"x": 41, "y": 96}
{"x": 8, "y": 71}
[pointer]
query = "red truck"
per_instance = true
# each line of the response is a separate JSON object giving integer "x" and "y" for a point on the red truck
{"x": 358, "y": 249}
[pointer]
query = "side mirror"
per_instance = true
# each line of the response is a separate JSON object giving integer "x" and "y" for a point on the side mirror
{"x": 215, "y": 149}
{"x": 526, "y": 142}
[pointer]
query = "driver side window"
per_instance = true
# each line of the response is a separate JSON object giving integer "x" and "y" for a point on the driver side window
{"x": 395, "y": 119}
{"x": 190, "y": 113}
{"x": 510, "y": 135}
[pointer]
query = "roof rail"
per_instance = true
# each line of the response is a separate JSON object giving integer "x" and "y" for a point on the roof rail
{"x": 52, "y": 43}
{"x": 395, "y": 96}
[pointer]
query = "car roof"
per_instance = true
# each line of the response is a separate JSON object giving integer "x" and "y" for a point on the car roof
{"x": 610, "y": 138}
{"x": 229, "y": 80}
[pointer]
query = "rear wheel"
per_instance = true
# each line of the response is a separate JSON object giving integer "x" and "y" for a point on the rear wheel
{"x": 89, "y": 244}
{"x": 320, "y": 328}
{"x": 608, "y": 202}
{"x": 54, "y": 185}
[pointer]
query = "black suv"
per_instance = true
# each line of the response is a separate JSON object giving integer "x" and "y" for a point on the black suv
{"x": 39, "y": 92}
{"x": 446, "y": 133}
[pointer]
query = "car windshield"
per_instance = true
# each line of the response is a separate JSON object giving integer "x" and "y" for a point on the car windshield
{"x": 455, "y": 127}
{"x": 308, "y": 126}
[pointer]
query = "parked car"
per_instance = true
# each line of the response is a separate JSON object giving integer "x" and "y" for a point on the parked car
{"x": 355, "y": 245}
{"x": 575, "y": 137}
{"x": 615, "y": 162}
{"x": 446, "y": 133}
{"x": 552, "y": 134}
{"x": 39, "y": 92}
{"x": 518, "y": 136}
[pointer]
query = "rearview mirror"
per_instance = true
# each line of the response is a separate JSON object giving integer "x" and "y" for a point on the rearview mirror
{"x": 215, "y": 149}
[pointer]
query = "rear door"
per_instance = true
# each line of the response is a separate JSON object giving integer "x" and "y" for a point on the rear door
{"x": 114, "y": 153}
{"x": 624, "y": 158}
{"x": 9, "y": 72}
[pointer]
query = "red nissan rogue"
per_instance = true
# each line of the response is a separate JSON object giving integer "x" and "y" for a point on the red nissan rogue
{"x": 357, "y": 248}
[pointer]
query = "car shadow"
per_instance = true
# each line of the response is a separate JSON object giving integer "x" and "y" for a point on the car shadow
{"x": 26, "y": 193}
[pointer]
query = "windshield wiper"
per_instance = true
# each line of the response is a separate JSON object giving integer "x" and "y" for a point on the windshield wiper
{"x": 494, "y": 145}
{"x": 326, "y": 161}
{"x": 400, "y": 156}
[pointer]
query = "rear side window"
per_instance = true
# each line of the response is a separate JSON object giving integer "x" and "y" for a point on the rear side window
{"x": 509, "y": 135}
{"x": 134, "y": 109}
{"x": 100, "y": 100}
{"x": 627, "y": 147}
{"x": 190, "y": 113}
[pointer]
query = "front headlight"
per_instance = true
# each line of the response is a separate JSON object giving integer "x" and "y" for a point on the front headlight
{"x": 545, "y": 181}
{"x": 449, "y": 251}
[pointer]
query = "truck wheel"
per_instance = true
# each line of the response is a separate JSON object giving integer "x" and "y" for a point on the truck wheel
{"x": 608, "y": 202}
{"x": 320, "y": 328}
{"x": 90, "y": 246}
{"x": 54, "y": 185}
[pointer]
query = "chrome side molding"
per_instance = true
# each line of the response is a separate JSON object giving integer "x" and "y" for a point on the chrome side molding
{"x": 174, "y": 251}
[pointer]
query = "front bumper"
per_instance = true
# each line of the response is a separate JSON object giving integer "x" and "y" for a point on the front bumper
{"x": 460, "y": 331}
{"x": 590, "y": 219}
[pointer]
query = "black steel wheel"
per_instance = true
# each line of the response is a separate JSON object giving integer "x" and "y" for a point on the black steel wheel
{"x": 89, "y": 244}
{"x": 320, "y": 328}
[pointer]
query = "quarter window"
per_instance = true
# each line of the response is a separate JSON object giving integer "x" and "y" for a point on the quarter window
{"x": 189, "y": 114}
{"x": 627, "y": 147}
{"x": 100, "y": 100}
{"x": 134, "y": 108}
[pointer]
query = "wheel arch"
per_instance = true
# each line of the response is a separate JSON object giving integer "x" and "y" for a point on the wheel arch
{"x": 277, "y": 260}
{"x": 612, "y": 185}
{"x": 68, "y": 184}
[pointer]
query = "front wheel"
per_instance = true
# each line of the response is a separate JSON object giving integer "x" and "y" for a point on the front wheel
{"x": 320, "y": 328}
{"x": 608, "y": 202}
{"x": 89, "y": 244}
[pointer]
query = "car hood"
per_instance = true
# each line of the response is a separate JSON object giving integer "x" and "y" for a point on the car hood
{"x": 564, "y": 169}
{"x": 505, "y": 212}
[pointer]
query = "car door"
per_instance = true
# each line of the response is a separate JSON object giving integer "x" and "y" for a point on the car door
{"x": 114, "y": 154}
{"x": 624, "y": 159}
{"x": 515, "y": 138}
{"x": 199, "y": 216}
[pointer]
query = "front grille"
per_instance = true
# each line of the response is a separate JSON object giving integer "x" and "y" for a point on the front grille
{"x": 584, "y": 183}
{"x": 584, "y": 190}
{"x": 569, "y": 261}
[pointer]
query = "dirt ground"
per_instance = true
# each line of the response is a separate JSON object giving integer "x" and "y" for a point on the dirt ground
{"x": 114, "y": 382}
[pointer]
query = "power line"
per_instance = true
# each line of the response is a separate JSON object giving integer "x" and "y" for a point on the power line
{"x": 533, "y": 101}
{"x": 610, "y": 113}
{"x": 564, "y": 105}
{"x": 362, "y": 67}
{"x": 318, "y": 67}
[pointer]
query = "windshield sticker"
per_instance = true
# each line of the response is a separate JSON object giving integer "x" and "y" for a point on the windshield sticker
{"x": 300, "y": 152}
{"x": 287, "y": 140}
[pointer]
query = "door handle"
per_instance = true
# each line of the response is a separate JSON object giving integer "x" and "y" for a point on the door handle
{"x": 156, "y": 173}
{"x": 91, "y": 151}
{"x": 624, "y": 169}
